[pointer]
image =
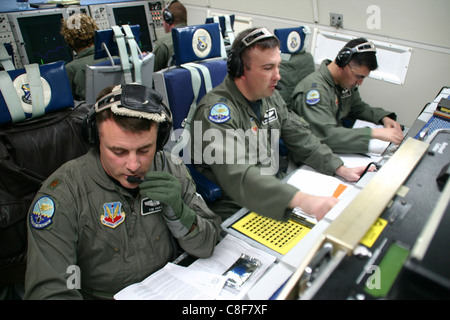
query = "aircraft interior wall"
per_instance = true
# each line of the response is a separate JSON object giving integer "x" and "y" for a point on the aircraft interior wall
{"x": 417, "y": 24}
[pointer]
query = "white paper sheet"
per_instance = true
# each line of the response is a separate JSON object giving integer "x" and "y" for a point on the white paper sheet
{"x": 202, "y": 280}
{"x": 174, "y": 282}
{"x": 376, "y": 146}
{"x": 225, "y": 254}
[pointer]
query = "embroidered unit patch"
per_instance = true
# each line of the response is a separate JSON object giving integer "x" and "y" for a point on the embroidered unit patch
{"x": 219, "y": 113}
{"x": 43, "y": 211}
{"x": 113, "y": 214}
{"x": 312, "y": 97}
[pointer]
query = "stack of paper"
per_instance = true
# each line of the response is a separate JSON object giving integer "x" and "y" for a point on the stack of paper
{"x": 312, "y": 182}
{"x": 203, "y": 279}
{"x": 376, "y": 146}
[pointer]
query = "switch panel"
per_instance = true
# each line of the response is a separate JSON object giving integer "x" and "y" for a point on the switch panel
{"x": 336, "y": 20}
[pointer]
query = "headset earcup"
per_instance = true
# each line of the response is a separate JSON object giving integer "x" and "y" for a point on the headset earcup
{"x": 164, "y": 128}
{"x": 167, "y": 15}
{"x": 163, "y": 135}
{"x": 234, "y": 64}
{"x": 343, "y": 57}
{"x": 89, "y": 128}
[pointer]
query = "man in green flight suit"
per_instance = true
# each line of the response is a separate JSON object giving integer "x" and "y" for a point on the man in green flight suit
{"x": 247, "y": 106}
{"x": 174, "y": 16}
{"x": 329, "y": 95}
{"x": 78, "y": 32}
{"x": 119, "y": 213}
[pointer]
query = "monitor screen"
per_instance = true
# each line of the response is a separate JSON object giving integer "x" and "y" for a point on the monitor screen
{"x": 42, "y": 39}
{"x": 133, "y": 15}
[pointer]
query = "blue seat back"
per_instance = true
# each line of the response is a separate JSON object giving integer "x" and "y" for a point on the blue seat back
{"x": 106, "y": 38}
{"x": 56, "y": 91}
{"x": 194, "y": 46}
{"x": 222, "y": 23}
{"x": 292, "y": 40}
{"x": 195, "y": 43}
{"x": 175, "y": 83}
{"x": 179, "y": 88}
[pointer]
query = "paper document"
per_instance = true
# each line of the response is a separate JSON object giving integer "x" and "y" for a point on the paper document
{"x": 203, "y": 279}
{"x": 376, "y": 146}
{"x": 174, "y": 282}
{"x": 312, "y": 182}
{"x": 225, "y": 254}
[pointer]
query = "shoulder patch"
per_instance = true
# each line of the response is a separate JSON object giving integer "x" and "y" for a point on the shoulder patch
{"x": 42, "y": 213}
{"x": 219, "y": 113}
{"x": 312, "y": 97}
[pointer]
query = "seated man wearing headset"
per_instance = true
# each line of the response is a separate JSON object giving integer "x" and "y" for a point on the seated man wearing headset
{"x": 329, "y": 95}
{"x": 174, "y": 16}
{"x": 118, "y": 213}
{"x": 246, "y": 105}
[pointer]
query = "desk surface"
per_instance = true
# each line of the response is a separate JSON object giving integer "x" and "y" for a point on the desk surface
{"x": 288, "y": 263}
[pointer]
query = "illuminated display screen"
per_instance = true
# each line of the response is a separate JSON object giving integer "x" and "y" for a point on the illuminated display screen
{"x": 42, "y": 39}
{"x": 133, "y": 15}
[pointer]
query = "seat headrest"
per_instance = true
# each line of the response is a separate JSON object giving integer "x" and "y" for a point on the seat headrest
{"x": 222, "y": 23}
{"x": 107, "y": 37}
{"x": 195, "y": 43}
{"x": 292, "y": 40}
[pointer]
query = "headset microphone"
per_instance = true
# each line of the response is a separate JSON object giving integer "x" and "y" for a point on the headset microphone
{"x": 279, "y": 86}
{"x": 133, "y": 179}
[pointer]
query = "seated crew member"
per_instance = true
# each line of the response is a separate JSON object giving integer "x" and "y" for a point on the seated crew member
{"x": 94, "y": 213}
{"x": 246, "y": 101}
{"x": 174, "y": 16}
{"x": 330, "y": 94}
{"x": 79, "y": 32}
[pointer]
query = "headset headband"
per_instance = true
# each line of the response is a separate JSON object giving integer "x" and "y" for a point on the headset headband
{"x": 134, "y": 100}
{"x": 256, "y": 35}
{"x": 364, "y": 47}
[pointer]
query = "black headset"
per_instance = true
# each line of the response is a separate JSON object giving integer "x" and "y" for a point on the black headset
{"x": 345, "y": 54}
{"x": 235, "y": 66}
{"x": 137, "y": 97}
{"x": 167, "y": 14}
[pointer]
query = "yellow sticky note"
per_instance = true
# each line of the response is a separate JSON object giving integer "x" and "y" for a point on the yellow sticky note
{"x": 277, "y": 235}
{"x": 374, "y": 232}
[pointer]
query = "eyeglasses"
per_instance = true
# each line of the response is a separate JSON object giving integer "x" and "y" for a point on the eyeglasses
{"x": 359, "y": 77}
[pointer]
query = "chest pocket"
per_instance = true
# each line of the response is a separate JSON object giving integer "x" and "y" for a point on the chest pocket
{"x": 100, "y": 255}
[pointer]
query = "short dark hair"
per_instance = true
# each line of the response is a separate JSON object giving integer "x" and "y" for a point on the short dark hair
{"x": 263, "y": 44}
{"x": 179, "y": 12}
{"x": 368, "y": 59}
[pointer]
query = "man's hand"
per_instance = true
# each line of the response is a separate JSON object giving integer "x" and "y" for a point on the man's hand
{"x": 165, "y": 188}
{"x": 392, "y": 131}
{"x": 317, "y": 206}
{"x": 352, "y": 174}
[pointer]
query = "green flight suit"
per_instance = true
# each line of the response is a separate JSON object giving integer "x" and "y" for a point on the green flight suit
{"x": 325, "y": 105}
{"x": 294, "y": 68}
{"x": 70, "y": 224}
{"x": 76, "y": 72}
{"x": 245, "y": 179}
{"x": 163, "y": 49}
